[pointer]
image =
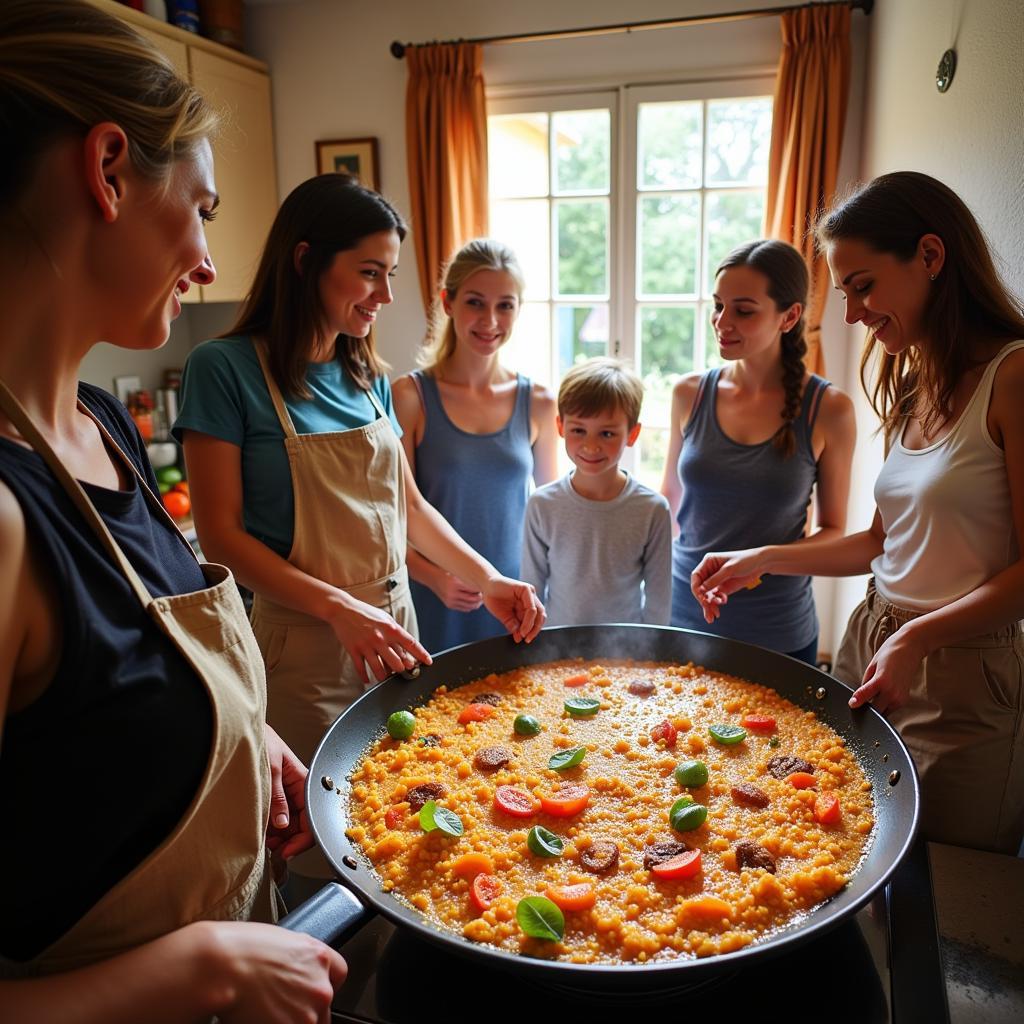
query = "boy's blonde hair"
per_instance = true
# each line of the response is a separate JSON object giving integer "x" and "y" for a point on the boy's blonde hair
{"x": 601, "y": 385}
{"x": 479, "y": 254}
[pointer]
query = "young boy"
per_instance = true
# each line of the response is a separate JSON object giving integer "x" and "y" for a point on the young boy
{"x": 597, "y": 544}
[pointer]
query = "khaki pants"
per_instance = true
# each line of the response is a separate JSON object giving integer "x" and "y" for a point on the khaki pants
{"x": 962, "y": 725}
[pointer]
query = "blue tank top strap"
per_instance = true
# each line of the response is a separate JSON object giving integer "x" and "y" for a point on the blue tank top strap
{"x": 703, "y": 410}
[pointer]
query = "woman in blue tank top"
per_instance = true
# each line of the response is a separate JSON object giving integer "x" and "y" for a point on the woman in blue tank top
{"x": 474, "y": 433}
{"x": 750, "y": 442}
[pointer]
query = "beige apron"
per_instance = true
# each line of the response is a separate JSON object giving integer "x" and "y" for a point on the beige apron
{"x": 213, "y": 865}
{"x": 963, "y": 724}
{"x": 349, "y": 532}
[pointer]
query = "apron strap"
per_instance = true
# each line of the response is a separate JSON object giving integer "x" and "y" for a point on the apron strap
{"x": 275, "y": 392}
{"x": 20, "y": 418}
{"x": 279, "y": 405}
{"x": 377, "y": 404}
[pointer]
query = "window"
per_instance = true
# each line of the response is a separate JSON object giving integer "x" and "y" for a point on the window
{"x": 619, "y": 240}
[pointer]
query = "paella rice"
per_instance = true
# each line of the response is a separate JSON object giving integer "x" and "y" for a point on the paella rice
{"x": 665, "y": 810}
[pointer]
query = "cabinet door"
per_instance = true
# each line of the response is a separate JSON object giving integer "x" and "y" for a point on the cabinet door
{"x": 244, "y": 169}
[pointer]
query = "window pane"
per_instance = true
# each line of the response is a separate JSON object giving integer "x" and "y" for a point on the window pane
{"x": 739, "y": 136}
{"x": 582, "y": 247}
{"x": 668, "y": 244}
{"x": 529, "y": 349}
{"x": 517, "y": 154}
{"x": 524, "y": 224}
{"x": 712, "y": 357}
{"x": 666, "y": 352}
{"x": 653, "y": 445}
{"x": 731, "y": 218}
{"x": 669, "y": 146}
{"x": 582, "y": 332}
{"x": 582, "y": 140}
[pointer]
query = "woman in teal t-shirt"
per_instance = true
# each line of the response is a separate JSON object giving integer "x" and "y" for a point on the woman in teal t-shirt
{"x": 297, "y": 475}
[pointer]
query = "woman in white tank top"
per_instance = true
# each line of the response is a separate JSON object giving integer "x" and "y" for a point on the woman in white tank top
{"x": 936, "y": 645}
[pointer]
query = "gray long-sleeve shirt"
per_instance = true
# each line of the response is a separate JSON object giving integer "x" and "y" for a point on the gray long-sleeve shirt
{"x": 599, "y": 561}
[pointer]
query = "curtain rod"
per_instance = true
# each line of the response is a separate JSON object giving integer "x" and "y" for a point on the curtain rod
{"x": 398, "y": 49}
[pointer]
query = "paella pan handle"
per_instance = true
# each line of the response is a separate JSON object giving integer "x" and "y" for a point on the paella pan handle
{"x": 331, "y": 916}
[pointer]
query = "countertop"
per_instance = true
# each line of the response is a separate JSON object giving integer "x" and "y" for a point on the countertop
{"x": 979, "y": 909}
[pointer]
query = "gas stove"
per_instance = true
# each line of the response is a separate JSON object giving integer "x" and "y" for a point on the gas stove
{"x": 880, "y": 966}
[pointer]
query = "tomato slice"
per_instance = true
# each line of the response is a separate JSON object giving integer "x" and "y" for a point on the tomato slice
{"x": 395, "y": 817}
{"x": 580, "y": 679}
{"x": 759, "y": 723}
{"x": 515, "y": 802}
{"x": 826, "y": 808}
{"x": 475, "y": 713}
{"x": 683, "y": 865}
{"x": 484, "y": 891}
{"x": 572, "y": 897}
{"x": 666, "y": 731}
{"x": 801, "y": 780}
{"x": 571, "y": 798}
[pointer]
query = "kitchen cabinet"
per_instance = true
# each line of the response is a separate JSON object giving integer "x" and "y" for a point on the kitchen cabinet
{"x": 243, "y": 149}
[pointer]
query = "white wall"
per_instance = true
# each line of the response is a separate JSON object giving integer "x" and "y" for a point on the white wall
{"x": 971, "y": 137}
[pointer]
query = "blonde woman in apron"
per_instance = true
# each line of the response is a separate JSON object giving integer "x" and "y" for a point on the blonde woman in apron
{"x": 298, "y": 479}
{"x": 936, "y": 645}
{"x": 141, "y": 786}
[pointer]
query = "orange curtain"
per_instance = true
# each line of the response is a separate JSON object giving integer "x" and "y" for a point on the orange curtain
{"x": 446, "y": 140}
{"x": 811, "y": 91}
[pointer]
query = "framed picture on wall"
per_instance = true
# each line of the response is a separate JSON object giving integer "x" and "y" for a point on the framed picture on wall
{"x": 357, "y": 157}
{"x": 125, "y": 387}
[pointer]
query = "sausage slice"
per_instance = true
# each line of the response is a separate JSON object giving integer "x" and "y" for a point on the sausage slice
{"x": 785, "y": 764}
{"x": 600, "y": 857}
{"x": 750, "y": 796}
{"x": 658, "y": 853}
{"x": 491, "y": 758}
{"x": 494, "y": 699}
{"x": 753, "y": 855}
{"x": 641, "y": 688}
{"x": 419, "y": 795}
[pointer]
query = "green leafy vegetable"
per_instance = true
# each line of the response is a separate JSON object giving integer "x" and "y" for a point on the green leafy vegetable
{"x": 526, "y": 725}
{"x": 433, "y": 817}
{"x": 567, "y": 758}
{"x": 582, "y": 707}
{"x": 687, "y": 817}
{"x": 692, "y": 774}
{"x": 773, "y": 742}
{"x": 544, "y": 843}
{"x": 728, "y": 734}
{"x": 401, "y": 725}
{"x": 540, "y": 918}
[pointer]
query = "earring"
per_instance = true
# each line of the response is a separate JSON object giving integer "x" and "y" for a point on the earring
{"x": 931, "y": 277}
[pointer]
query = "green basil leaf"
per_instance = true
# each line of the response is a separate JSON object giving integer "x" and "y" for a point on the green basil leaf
{"x": 687, "y": 818}
{"x": 774, "y": 742}
{"x": 684, "y": 801}
{"x": 567, "y": 758}
{"x": 526, "y": 725}
{"x": 544, "y": 843}
{"x": 540, "y": 918}
{"x": 427, "y": 822}
{"x": 728, "y": 734}
{"x": 433, "y": 817}
{"x": 448, "y": 821}
{"x": 582, "y": 707}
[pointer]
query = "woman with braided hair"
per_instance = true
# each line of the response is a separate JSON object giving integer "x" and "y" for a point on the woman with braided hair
{"x": 751, "y": 440}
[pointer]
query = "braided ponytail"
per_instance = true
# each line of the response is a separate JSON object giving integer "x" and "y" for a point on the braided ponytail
{"x": 788, "y": 283}
{"x": 794, "y": 348}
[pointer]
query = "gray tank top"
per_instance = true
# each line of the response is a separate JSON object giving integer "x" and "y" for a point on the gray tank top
{"x": 479, "y": 483}
{"x": 740, "y": 496}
